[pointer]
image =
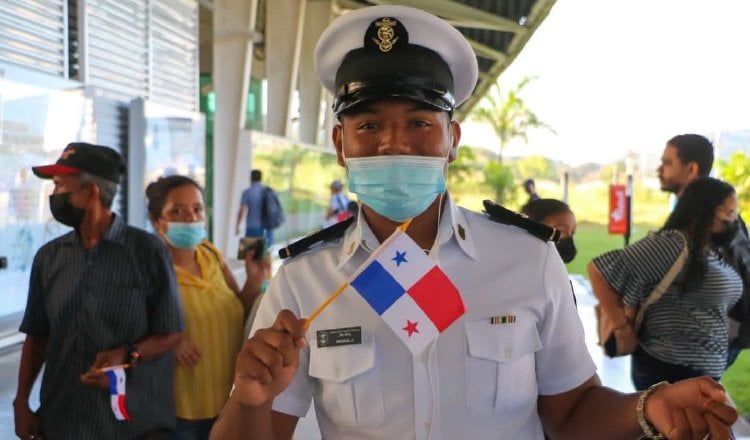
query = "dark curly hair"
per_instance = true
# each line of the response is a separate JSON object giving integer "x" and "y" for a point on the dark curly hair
{"x": 540, "y": 209}
{"x": 157, "y": 192}
{"x": 694, "y": 215}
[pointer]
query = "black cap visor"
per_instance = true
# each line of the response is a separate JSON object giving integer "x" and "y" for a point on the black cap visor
{"x": 413, "y": 89}
{"x": 410, "y": 72}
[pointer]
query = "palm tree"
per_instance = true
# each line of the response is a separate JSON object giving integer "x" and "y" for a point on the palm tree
{"x": 510, "y": 118}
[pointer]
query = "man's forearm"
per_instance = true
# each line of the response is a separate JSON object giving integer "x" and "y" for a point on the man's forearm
{"x": 32, "y": 359}
{"x": 239, "y": 422}
{"x": 240, "y": 214}
{"x": 602, "y": 413}
{"x": 154, "y": 346}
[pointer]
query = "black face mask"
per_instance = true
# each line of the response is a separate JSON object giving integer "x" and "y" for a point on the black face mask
{"x": 64, "y": 211}
{"x": 727, "y": 235}
{"x": 566, "y": 248}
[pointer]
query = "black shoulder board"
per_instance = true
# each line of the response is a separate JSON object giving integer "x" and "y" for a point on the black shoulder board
{"x": 506, "y": 216}
{"x": 305, "y": 243}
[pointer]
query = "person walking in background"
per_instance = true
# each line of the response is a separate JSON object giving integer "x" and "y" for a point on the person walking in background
{"x": 555, "y": 214}
{"x": 260, "y": 208}
{"x": 684, "y": 333}
{"x": 530, "y": 187}
{"x": 509, "y": 361}
{"x": 338, "y": 205}
{"x": 687, "y": 157}
{"x": 103, "y": 295}
{"x": 213, "y": 304}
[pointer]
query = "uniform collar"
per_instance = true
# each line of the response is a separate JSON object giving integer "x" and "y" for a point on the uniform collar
{"x": 115, "y": 230}
{"x": 113, "y": 233}
{"x": 453, "y": 223}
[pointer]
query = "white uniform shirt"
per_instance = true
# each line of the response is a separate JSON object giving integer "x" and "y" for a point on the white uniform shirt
{"x": 477, "y": 380}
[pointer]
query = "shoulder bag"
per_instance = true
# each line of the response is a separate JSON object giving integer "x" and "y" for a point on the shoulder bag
{"x": 612, "y": 342}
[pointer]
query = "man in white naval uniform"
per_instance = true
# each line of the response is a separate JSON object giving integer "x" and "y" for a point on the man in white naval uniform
{"x": 513, "y": 366}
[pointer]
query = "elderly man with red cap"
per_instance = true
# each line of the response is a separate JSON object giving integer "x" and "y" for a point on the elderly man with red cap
{"x": 102, "y": 303}
{"x": 487, "y": 343}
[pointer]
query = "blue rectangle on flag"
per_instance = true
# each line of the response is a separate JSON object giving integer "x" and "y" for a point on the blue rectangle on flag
{"x": 112, "y": 376}
{"x": 377, "y": 287}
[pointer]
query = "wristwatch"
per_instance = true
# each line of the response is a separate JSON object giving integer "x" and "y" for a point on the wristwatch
{"x": 134, "y": 355}
{"x": 640, "y": 411}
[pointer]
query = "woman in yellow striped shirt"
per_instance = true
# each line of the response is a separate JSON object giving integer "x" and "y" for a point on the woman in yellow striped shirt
{"x": 213, "y": 304}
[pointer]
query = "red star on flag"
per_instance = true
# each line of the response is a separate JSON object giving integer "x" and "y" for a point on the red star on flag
{"x": 411, "y": 327}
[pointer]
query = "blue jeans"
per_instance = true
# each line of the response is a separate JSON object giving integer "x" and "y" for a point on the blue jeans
{"x": 261, "y": 232}
{"x": 192, "y": 429}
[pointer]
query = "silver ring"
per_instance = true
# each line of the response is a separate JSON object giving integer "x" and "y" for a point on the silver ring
{"x": 707, "y": 436}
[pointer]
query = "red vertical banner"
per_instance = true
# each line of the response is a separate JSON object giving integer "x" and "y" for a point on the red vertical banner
{"x": 618, "y": 210}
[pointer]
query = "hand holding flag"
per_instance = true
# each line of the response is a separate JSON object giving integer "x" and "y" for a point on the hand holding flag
{"x": 117, "y": 379}
{"x": 268, "y": 360}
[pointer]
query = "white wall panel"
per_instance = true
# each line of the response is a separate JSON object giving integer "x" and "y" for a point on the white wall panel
{"x": 33, "y": 35}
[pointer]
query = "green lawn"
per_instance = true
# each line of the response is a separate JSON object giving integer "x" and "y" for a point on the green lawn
{"x": 737, "y": 382}
{"x": 592, "y": 239}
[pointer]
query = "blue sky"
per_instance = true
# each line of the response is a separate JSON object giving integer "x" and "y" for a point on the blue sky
{"x": 617, "y": 75}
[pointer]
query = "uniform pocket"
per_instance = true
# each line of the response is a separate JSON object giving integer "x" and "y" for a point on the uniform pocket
{"x": 350, "y": 386}
{"x": 500, "y": 366}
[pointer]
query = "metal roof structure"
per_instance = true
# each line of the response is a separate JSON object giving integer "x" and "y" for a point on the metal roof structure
{"x": 496, "y": 29}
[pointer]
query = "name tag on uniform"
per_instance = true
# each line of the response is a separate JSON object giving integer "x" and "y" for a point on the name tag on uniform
{"x": 339, "y": 336}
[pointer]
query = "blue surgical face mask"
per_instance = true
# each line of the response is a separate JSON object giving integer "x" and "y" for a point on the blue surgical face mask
{"x": 397, "y": 187}
{"x": 185, "y": 235}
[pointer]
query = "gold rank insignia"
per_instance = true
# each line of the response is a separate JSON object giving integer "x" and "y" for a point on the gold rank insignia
{"x": 386, "y": 36}
{"x": 507, "y": 319}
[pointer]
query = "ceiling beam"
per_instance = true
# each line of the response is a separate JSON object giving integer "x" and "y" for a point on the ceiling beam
{"x": 460, "y": 14}
{"x": 485, "y": 51}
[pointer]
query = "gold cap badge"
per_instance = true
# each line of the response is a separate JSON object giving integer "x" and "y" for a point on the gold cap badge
{"x": 386, "y": 36}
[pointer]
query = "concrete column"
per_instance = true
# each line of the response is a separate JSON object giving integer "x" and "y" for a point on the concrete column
{"x": 317, "y": 16}
{"x": 329, "y": 120}
{"x": 234, "y": 31}
{"x": 284, "y": 24}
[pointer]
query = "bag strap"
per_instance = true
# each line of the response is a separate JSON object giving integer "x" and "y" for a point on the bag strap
{"x": 663, "y": 285}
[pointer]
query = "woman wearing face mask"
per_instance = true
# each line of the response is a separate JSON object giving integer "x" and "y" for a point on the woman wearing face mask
{"x": 556, "y": 214}
{"x": 213, "y": 305}
{"x": 684, "y": 333}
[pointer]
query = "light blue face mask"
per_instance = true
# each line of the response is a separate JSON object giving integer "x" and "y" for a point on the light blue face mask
{"x": 185, "y": 235}
{"x": 397, "y": 187}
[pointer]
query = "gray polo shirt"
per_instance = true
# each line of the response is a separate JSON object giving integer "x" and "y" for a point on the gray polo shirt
{"x": 84, "y": 302}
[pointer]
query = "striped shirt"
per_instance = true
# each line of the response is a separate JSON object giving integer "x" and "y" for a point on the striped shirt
{"x": 84, "y": 302}
{"x": 685, "y": 328}
{"x": 214, "y": 323}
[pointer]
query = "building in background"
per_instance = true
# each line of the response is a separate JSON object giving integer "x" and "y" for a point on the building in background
{"x": 196, "y": 87}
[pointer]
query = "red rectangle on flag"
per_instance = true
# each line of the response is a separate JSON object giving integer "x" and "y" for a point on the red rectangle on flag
{"x": 438, "y": 297}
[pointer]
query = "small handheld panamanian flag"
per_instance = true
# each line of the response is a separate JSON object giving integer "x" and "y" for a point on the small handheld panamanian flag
{"x": 409, "y": 291}
{"x": 116, "y": 377}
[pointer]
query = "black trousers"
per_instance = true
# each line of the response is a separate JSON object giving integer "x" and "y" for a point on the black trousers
{"x": 647, "y": 370}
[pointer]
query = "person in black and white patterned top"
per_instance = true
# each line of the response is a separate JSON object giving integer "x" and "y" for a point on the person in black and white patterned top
{"x": 684, "y": 333}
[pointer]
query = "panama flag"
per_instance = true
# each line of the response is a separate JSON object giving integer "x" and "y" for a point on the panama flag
{"x": 116, "y": 377}
{"x": 409, "y": 291}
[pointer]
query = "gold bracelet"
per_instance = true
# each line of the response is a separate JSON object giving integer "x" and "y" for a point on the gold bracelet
{"x": 640, "y": 411}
